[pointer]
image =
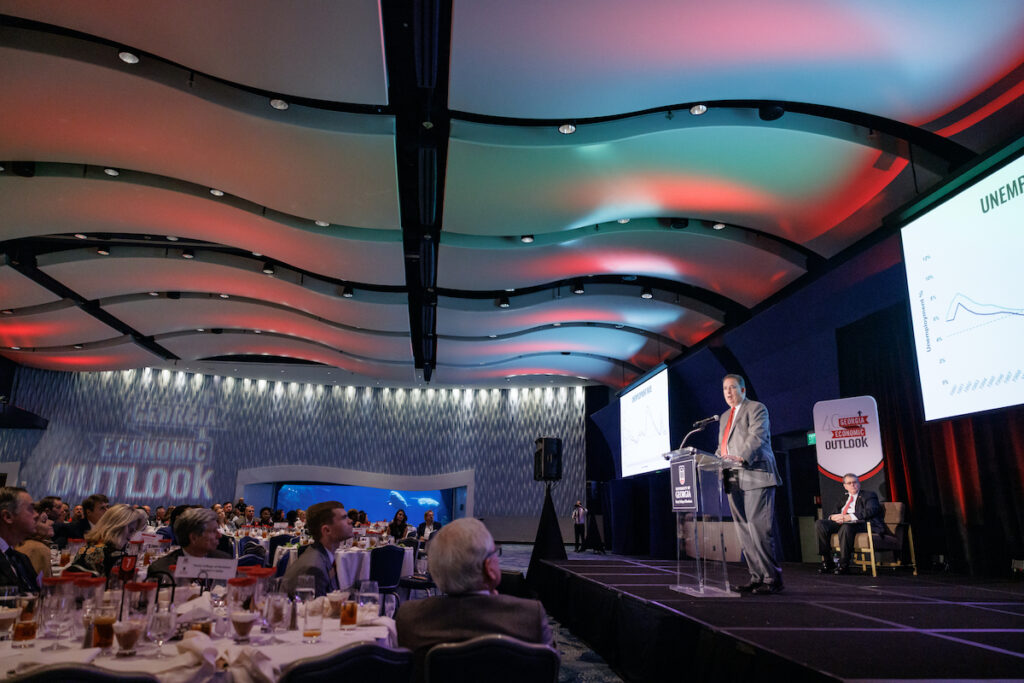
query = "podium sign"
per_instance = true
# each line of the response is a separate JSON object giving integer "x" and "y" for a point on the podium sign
{"x": 684, "y": 482}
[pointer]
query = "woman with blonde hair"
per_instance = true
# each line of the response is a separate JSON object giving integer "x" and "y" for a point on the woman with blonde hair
{"x": 111, "y": 534}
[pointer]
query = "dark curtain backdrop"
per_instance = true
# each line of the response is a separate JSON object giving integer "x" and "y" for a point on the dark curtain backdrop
{"x": 962, "y": 479}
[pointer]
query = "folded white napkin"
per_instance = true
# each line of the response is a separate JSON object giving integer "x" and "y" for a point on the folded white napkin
{"x": 246, "y": 664}
{"x": 197, "y": 609}
{"x": 387, "y": 622}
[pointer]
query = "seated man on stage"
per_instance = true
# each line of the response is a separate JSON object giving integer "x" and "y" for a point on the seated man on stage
{"x": 464, "y": 564}
{"x": 848, "y": 519}
{"x": 329, "y": 525}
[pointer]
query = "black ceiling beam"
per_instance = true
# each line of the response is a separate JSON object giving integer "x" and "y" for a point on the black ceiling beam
{"x": 417, "y": 44}
{"x": 25, "y": 264}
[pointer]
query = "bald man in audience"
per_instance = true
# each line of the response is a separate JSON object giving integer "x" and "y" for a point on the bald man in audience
{"x": 464, "y": 564}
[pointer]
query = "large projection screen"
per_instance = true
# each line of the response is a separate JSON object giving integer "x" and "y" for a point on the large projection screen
{"x": 644, "y": 433}
{"x": 966, "y": 286}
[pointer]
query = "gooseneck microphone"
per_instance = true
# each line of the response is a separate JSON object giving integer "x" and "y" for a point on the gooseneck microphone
{"x": 700, "y": 424}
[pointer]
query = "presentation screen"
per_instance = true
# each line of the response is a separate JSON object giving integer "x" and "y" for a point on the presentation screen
{"x": 643, "y": 416}
{"x": 966, "y": 288}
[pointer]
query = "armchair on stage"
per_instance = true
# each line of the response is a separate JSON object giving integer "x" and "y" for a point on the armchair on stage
{"x": 702, "y": 539}
{"x": 886, "y": 550}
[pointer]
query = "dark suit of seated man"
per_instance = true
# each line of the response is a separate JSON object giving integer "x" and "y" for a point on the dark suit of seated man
{"x": 848, "y": 519}
{"x": 199, "y": 534}
{"x": 329, "y": 526}
{"x": 464, "y": 564}
{"x": 428, "y": 526}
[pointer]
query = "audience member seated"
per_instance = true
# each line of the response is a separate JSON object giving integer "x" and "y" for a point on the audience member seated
{"x": 464, "y": 564}
{"x": 199, "y": 535}
{"x": 848, "y": 519}
{"x": 109, "y": 538}
{"x": 398, "y": 527}
{"x": 17, "y": 523}
{"x": 37, "y": 547}
{"x": 266, "y": 517}
{"x": 167, "y": 531}
{"x": 248, "y": 518}
{"x": 329, "y": 526}
{"x": 93, "y": 508}
{"x": 428, "y": 526}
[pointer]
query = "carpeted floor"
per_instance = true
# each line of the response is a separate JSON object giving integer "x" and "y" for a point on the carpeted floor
{"x": 580, "y": 664}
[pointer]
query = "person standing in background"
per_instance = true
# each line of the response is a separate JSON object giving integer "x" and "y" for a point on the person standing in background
{"x": 579, "y": 525}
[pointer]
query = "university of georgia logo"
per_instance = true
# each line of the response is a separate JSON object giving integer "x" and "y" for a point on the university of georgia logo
{"x": 682, "y": 476}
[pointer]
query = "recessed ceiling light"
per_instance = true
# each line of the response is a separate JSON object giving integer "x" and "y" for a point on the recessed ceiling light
{"x": 188, "y": 253}
{"x": 503, "y": 302}
{"x": 78, "y": 347}
{"x": 526, "y": 239}
{"x": 112, "y": 172}
{"x": 493, "y": 336}
{"x": 15, "y": 348}
{"x": 278, "y": 104}
{"x": 200, "y": 329}
{"x": 216, "y": 193}
{"x": 257, "y": 331}
{"x": 1, "y": 169}
{"x": 268, "y": 268}
{"x": 619, "y": 327}
{"x": 557, "y": 324}
{"x": 623, "y": 220}
{"x": 698, "y": 109}
{"x": 80, "y": 236}
{"x": 128, "y": 57}
{"x": 7, "y": 311}
{"x": 577, "y": 288}
{"x": 718, "y": 226}
{"x": 646, "y": 293}
{"x": 172, "y": 238}
{"x": 567, "y": 128}
{"x": 154, "y": 294}
{"x": 510, "y": 289}
{"x": 103, "y": 252}
{"x": 347, "y": 292}
{"x": 224, "y": 296}
{"x": 257, "y": 254}
{"x": 322, "y": 224}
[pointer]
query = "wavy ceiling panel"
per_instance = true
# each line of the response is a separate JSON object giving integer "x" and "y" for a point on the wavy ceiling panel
{"x": 273, "y": 44}
{"x": 341, "y": 171}
{"x": 61, "y": 324}
{"x": 599, "y": 341}
{"x": 121, "y": 354}
{"x": 788, "y": 183}
{"x": 682, "y": 325}
{"x": 96, "y": 277}
{"x": 586, "y": 368}
{"x": 159, "y": 316}
{"x": 44, "y": 206}
{"x": 17, "y": 291}
{"x": 909, "y": 61}
{"x": 693, "y": 259}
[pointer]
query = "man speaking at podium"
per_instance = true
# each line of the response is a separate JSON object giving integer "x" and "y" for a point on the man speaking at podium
{"x": 744, "y": 439}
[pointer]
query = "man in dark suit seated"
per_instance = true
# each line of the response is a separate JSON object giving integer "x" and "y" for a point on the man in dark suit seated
{"x": 199, "y": 534}
{"x": 848, "y": 519}
{"x": 93, "y": 508}
{"x": 428, "y": 526}
{"x": 17, "y": 523}
{"x": 329, "y": 525}
{"x": 464, "y": 564}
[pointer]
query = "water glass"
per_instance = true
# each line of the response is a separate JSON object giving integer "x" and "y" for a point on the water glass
{"x": 369, "y": 601}
{"x": 162, "y": 624}
{"x": 313, "y": 620}
{"x": 8, "y": 610}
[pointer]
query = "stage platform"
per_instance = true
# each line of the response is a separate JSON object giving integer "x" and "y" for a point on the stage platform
{"x": 851, "y": 628}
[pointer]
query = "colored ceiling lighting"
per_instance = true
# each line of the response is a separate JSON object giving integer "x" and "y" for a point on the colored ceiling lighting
{"x": 278, "y": 104}
{"x": 567, "y": 128}
{"x": 112, "y": 172}
{"x": 646, "y": 293}
{"x": 503, "y": 302}
{"x": 128, "y": 57}
{"x": 698, "y": 109}
{"x": 526, "y": 239}
{"x": 216, "y": 193}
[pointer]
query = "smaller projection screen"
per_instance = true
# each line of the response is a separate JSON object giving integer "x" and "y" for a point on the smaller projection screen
{"x": 643, "y": 416}
{"x": 966, "y": 286}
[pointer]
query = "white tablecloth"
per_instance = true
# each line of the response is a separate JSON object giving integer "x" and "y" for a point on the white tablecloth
{"x": 218, "y": 659}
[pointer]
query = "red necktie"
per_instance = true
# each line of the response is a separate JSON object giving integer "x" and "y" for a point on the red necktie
{"x": 846, "y": 507}
{"x": 725, "y": 436}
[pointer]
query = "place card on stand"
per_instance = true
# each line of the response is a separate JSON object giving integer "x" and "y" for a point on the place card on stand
{"x": 189, "y": 567}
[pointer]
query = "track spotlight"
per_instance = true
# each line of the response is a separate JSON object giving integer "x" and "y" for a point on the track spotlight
{"x": 188, "y": 254}
{"x": 577, "y": 288}
{"x": 698, "y": 109}
{"x": 567, "y": 128}
{"x": 503, "y": 302}
{"x": 103, "y": 251}
{"x": 770, "y": 112}
{"x": 347, "y": 292}
{"x": 268, "y": 268}
{"x": 128, "y": 57}
{"x": 646, "y": 293}
{"x": 526, "y": 239}
{"x": 278, "y": 104}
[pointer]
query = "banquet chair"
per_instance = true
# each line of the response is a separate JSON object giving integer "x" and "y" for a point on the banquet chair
{"x": 282, "y": 565}
{"x": 492, "y": 658}
{"x": 276, "y": 542}
{"x": 80, "y": 673}
{"x": 251, "y": 560}
{"x": 886, "y": 550}
{"x": 226, "y": 544}
{"x": 356, "y": 662}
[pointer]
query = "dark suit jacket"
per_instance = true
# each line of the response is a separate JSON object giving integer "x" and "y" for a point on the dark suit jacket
{"x": 315, "y": 562}
{"x": 866, "y": 509}
{"x": 64, "y": 532}
{"x": 422, "y": 529}
{"x": 421, "y": 624}
{"x": 25, "y": 570}
{"x": 750, "y": 439}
